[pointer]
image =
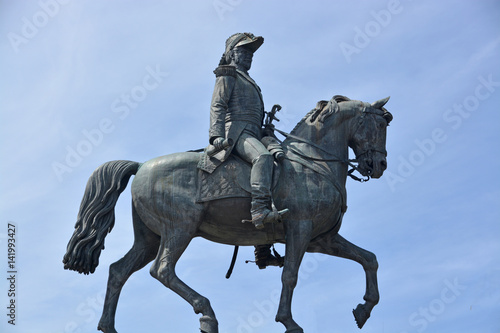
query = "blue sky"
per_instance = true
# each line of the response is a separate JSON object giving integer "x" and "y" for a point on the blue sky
{"x": 432, "y": 219}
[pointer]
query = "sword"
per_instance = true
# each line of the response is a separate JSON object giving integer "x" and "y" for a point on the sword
{"x": 271, "y": 115}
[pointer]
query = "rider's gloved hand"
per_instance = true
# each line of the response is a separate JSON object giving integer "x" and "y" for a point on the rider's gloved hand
{"x": 218, "y": 143}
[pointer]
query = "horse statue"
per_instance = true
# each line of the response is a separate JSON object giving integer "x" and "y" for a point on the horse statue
{"x": 167, "y": 214}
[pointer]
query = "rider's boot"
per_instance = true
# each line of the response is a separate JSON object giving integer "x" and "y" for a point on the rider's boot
{"x": 261, "y": 181}
{"x": 264, "y": 257}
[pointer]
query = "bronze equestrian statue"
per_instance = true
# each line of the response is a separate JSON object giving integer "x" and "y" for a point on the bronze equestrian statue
{"x": 173, "y": 201}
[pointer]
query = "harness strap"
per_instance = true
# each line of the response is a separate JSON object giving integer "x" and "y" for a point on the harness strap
{"x": 323, "y": 172}
{"x": 316, "y": 167}
{"x": 335, "y": 159}
{"x": 288, "y": 135}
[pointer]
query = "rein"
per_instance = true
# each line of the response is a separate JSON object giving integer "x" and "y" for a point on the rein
{"x": 348, "y": 162}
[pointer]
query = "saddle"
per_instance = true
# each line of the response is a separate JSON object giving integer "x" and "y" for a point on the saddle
{"x": 231, "y": 179}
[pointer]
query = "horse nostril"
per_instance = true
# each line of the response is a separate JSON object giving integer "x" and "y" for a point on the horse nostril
{"x": 369, "y": 163}
{"x": 383, "y": 164}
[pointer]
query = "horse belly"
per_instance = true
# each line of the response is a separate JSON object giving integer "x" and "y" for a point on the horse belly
{"x": 222, "y": 223}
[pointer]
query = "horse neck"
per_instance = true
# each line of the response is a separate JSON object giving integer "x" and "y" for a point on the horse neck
{"x": 332, "y": 137}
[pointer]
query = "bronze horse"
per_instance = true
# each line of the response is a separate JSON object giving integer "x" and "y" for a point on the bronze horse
{"x": 166, "y": 215}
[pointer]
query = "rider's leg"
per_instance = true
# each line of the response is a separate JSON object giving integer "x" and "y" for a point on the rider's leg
{"x": 260, "y": 181}
{"x": 272, "y": 144}
{"x": 253, "y": 151}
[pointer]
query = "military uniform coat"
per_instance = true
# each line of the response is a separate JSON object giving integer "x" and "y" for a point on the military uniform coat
{"x": 237, "y": 106}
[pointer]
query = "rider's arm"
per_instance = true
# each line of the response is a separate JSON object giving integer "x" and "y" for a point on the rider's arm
{"x": 224, "y": 84}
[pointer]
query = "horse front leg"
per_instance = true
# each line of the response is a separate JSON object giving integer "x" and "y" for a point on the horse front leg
{"x": 336, "y": 245}
{"x": 298, "y": 236}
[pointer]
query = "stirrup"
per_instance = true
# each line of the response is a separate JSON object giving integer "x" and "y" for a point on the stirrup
{"x": 269, "y": 217}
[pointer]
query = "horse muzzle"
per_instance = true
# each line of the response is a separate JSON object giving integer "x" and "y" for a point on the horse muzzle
{"x": 372, "y": 164}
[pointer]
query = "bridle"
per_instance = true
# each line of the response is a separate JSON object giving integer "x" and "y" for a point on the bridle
{"x": 348, "y": 162}
{"x": 369, "y": 151}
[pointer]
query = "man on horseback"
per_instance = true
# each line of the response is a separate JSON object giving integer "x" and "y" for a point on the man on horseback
{"x": 237, "y": 113}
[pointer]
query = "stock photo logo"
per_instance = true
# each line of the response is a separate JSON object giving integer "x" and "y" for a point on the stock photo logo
{"x": 223, "y": 6}
{"x": 85, "y": 313}
{"x": 120, "y": 107}
{"x": 264, "y": 310}
{"x": 454, "y": 117}
{"x": 425, "y": 315}
{"x": 372, "y": 29}
{"x": 32, "y": 25}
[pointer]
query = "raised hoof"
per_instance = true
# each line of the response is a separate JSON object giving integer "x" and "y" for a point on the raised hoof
{"x": 208, "y": 325}
{"x": 361, "y": 315}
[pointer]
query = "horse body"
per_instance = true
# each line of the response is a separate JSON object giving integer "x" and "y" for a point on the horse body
{"x": 167, "y": 217}
{"x": 162, "y": 193}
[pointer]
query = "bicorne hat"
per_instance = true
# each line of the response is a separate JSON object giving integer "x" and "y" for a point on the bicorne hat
{"x": 244, "y": 39}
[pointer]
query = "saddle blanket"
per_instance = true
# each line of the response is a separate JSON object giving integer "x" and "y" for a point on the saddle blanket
{"x": 230, "y": 180}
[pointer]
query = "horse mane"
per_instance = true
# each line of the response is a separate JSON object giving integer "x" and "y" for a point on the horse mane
{"x": 320, "y": 112}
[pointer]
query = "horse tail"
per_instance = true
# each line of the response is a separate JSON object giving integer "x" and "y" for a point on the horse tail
{"x": 96, "y": 217}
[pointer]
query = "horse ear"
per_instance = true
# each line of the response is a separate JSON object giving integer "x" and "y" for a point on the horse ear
{"x": 333, "y": 105}
{"x": 380, "y": 103}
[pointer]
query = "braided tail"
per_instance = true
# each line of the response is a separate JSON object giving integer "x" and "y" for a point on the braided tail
{"x": 97, "y": 214}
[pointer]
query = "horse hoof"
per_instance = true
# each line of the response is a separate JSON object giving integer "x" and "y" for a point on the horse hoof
{"x": 105, "y": 329}
{"x": 361, "y": 315}
{"x": 208, "y": 325}
{"x": 295, "y": 330}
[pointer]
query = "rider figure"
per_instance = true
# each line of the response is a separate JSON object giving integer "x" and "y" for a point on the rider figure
{"x": 237, "y": 113}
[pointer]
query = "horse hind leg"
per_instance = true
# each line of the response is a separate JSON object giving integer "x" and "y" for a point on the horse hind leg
{"x": 336, "y": 245}
{"x": 143, "y": 251}
{"x": 173, "y": 243}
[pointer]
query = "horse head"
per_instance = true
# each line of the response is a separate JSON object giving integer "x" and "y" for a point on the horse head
{"x": 340, "y": 123}
{"x": 368, "y": 137}
{"x": 363, "y": 124}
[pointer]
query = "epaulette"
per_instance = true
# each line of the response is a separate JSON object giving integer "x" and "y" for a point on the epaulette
{"x": 225, "y": 70}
